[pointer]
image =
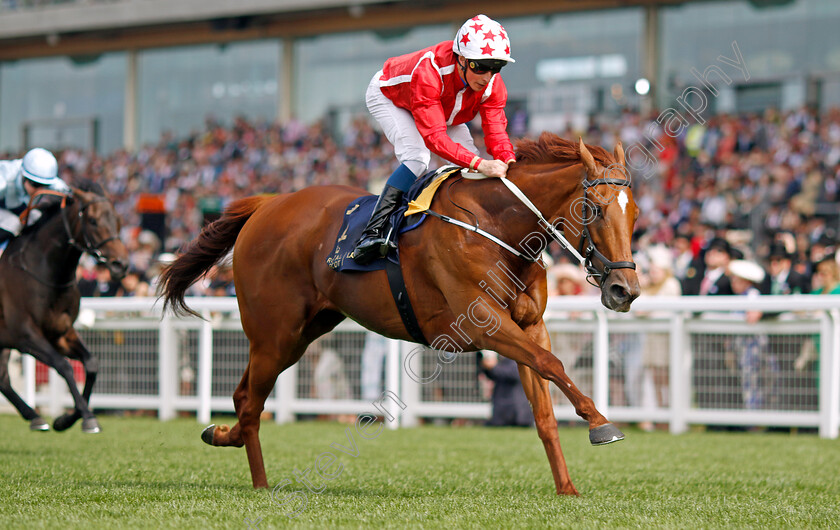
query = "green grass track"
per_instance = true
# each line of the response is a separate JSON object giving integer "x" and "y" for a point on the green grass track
{"x": 142, "y": 473}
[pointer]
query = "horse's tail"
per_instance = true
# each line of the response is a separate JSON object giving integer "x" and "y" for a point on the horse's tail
{"x": 214, "y": 241}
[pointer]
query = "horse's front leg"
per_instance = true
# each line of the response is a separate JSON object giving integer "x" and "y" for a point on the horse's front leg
{"x": 45, "y": 352}
{"x": 72, "y": 346}
{"x": 536, "y": 388}
{"x": 500, "y": 333}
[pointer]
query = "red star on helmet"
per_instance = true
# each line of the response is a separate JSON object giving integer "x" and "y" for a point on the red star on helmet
{"x": 502, "y": 32}
{"x": 477, "y": 27}
{"x": 465, "y": 39}
{"x": 486, "y": 50}
{"x": 507, "y": 50}
{"x": 489, "y": 35}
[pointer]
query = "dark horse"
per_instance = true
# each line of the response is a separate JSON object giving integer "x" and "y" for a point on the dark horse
{"x": 39, "y": 298}
{"x": 288, "y": 296}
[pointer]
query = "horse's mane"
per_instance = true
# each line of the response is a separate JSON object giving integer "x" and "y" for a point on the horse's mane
{"x": 88, "y": 185}
{"x": 551, "y": 148}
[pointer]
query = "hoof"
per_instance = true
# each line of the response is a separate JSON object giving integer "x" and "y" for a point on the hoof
{"x": 91, "y": 426}
{"x": 64, "y": 422}
{"x": 207, "y": 434}
{"x": 605, "y": 434}
{"x": 38, "y": 424}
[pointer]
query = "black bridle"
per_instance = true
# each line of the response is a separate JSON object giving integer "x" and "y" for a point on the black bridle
{"x": 86, "y": 246}
{"x": 586, "y": 241}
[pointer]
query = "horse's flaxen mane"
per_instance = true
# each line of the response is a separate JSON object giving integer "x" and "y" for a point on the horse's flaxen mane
{"x": 551, "y": 148}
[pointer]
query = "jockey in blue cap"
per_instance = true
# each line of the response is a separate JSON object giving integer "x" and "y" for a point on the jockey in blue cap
{"x": 19, "y": 180}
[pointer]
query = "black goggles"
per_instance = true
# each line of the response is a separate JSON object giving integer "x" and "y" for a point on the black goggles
{"x": 482, "y": 66}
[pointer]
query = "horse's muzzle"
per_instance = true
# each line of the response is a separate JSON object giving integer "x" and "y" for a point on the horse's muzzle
{"x": 118, "y": 268}
{"x": 620, "y": 290}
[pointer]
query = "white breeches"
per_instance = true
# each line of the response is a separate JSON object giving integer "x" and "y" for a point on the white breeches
{"x": 400, "y": 129}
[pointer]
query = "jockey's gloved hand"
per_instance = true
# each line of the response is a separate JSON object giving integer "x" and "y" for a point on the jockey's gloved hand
{"x": 492, "y": 168}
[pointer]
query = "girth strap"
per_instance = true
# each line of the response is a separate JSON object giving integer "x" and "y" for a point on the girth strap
{"x": 400, "y": 294}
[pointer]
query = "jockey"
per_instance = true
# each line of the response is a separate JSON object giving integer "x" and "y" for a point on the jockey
{"x": 423, "y": 100}
{"x": 19, "y": 180}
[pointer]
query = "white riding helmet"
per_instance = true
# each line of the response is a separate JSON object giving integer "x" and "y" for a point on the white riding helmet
{"x": 482, "y": 38}
{"x": 39, "y": 165}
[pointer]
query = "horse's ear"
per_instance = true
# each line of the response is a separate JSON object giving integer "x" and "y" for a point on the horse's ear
{"x": 586, "y": 158}
{"x": 619, "y": 154}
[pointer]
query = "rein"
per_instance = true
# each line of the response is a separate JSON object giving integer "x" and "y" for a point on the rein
{"x": 584, "y": 256}
{"x": 86, "y": 246}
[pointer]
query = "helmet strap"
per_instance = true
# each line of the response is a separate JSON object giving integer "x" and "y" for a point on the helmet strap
{"x": 463, "y": 69}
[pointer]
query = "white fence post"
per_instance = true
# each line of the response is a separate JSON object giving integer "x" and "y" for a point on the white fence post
{"x": 284, "y": 395}
{"x": 829, "y": 376}
{"x": 678, "y": 390}
{"x": 392, "y": 381}
{"x": 205, "y": 368}
{"x": 57, "y": 387}
{"x": 28, "y": 379}
{"x": 601, "y": 364}
{"x": 167, "y": 368}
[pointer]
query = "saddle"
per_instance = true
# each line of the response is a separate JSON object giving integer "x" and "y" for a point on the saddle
{"x": 408, "y": 216}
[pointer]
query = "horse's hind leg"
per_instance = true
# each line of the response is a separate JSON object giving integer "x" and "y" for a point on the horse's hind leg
{"x": 223, "y": 435}
{"x": 264, "y": 365}
{"x": 36, "y": 423}
{"x": 76, "y": 349}
{"x": 266, "y": 362}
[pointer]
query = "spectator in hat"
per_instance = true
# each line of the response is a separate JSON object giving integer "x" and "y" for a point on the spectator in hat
{"x": 710, "y": 277}
{"x": 783, "y": 279}
{"x": 822, "y": 247}
{"x": 751, "y": 349}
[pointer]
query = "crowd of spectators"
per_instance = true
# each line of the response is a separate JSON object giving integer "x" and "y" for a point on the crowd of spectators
{"x": 754, "y": 180}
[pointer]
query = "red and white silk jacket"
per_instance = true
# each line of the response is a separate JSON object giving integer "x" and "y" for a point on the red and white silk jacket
{"x": 426, "y": 83}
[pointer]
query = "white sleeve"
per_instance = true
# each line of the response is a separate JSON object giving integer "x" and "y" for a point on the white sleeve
{"x": 5, "y": 167}
{"x": 59, "y": 185}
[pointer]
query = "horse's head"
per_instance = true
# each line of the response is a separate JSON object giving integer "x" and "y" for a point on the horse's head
{"x": 96, "y": 228}
{"x": 608, "y": 213}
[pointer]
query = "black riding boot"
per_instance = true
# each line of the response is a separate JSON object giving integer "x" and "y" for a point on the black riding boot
{"x": 374, "y": 241}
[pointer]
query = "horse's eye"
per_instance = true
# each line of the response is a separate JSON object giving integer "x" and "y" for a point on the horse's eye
{"x": 93, "y": 222}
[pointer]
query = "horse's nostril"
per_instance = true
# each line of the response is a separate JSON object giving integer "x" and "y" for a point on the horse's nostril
{"x": 119, "y": 266}
{"x": 619, "y": 292}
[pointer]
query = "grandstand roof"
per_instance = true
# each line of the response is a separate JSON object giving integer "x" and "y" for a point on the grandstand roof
{"x": 94, "y": 26}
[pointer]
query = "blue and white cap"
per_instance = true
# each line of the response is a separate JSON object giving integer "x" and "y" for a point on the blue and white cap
{"x": 39, "y": 165}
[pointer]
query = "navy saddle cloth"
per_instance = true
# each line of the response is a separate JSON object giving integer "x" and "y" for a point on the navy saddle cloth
{"x": 356, "y": 216}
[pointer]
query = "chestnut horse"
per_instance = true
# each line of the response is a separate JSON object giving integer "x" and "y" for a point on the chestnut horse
{"x": 288, "y": 296}
{"x": 39, "y": 297}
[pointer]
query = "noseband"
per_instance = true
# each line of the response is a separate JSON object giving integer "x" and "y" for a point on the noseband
{"x": 586, "y": 241}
